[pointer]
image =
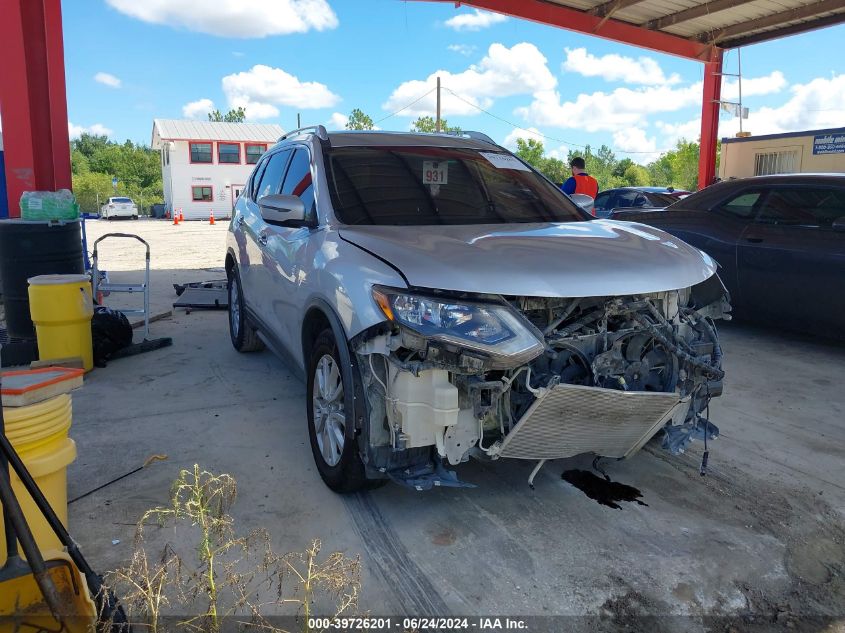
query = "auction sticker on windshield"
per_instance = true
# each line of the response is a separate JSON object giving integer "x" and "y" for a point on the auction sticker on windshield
{"x": 435, "y": 172}
{"x": 504, "y": 161}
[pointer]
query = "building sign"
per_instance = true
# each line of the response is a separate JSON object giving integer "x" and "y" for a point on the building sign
{"x": 829, "y": 144}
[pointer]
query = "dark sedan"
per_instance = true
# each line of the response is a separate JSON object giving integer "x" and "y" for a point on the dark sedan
{"x": 634, "y": 198}
{"x": 780, "y": 241}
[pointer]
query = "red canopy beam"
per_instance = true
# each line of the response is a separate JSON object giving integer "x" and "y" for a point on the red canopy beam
{"x": 574, "y": 20}
{"x": 33, "y": 103}
{"x": 710, "y": 121}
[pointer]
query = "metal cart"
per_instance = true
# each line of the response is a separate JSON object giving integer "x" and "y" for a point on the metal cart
{"x": 107, "y": 287}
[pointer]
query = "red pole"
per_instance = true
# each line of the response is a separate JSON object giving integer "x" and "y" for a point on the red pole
{"x": 33, "y": 103}
{"x": 710, "y": 119}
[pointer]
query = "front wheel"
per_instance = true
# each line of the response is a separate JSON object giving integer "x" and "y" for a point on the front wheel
{"x": 243, "y": 335}
{"x": 331, "y": 420}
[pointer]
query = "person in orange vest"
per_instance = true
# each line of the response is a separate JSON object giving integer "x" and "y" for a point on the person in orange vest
{"x": 581, "y": 181}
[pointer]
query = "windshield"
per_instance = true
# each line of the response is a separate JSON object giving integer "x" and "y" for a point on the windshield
{"x": 121, "y": 200}
{"x": 435, "y": 185}
{"x": 660, "y": 199}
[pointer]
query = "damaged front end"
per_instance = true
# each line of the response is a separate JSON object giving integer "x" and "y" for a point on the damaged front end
{"x": 449, "y": 377}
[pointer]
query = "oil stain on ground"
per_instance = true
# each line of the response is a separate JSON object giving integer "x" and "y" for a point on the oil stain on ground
{"x": 604, "y": 491}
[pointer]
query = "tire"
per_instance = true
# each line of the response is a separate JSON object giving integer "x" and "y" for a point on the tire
{"x": 134, "y": 217}
{"x": 243, "y": 335}
{"x": 331, "y": 420}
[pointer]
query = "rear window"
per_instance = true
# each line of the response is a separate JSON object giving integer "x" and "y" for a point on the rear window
{"x": 126, "y": 200}
{"x": 432, "y": 185}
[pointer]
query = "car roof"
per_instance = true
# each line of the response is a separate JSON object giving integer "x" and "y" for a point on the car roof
{"x": 380, "y": 138}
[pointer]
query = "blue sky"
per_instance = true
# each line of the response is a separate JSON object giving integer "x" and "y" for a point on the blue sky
{"x": 128, "y": 62}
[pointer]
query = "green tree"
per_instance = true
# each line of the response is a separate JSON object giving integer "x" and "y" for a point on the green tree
{"x": 531, "y": 151}
{"x": 359, "y": 121}
{"x": 237, "y": 115}
{"x": 428, "y": 124}
{"x": 636, "y": 176}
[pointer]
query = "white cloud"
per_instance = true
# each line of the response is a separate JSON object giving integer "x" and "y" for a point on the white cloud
{"x": 75, "y": 131}
{"x": 338, "y": 121}
{"x": 754, "y": 86}
{"x": 521, "y": 69}
{"x": 635, "y": 141}
{"x": 474, "y": 21}
{"x": 234, "y": 18}
{"x": 107, "y": 79}
{"x": 197, "y": 109}
{"x": 528, "y": 133}
{"x": 624, "y": 107}
{"x": 463, "y": 49}
{"x": 815, "y": 105}
{"x": 262, "y": 88}
{"x": 643, "y": 70}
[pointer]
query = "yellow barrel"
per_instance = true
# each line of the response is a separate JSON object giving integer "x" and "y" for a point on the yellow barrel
{"x": 61, "y": 308}
{"x": 39, "y": 433}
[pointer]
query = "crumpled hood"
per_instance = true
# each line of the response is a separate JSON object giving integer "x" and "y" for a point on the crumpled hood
{"x": 574, "y": 259}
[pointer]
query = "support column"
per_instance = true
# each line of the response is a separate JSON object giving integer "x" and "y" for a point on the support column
{"x": 33, "y": 103}
{"x": 710, "y": 119}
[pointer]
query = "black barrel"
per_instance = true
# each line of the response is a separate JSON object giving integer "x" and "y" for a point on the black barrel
{"x": 28, "y": 249}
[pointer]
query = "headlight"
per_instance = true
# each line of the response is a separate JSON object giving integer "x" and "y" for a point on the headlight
{"x": 491, "y": 329}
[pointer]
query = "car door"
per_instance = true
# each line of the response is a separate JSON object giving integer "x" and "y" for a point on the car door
{"x": 255, "y": 277}
{"x": 284, "y": 250}
{"x": 791, "y": 261}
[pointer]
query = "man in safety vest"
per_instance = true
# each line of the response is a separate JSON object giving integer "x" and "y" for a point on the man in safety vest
{"x": 581, "y": 181}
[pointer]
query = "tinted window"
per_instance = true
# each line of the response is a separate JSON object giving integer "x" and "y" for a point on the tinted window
{"x": 433, "y": 185}
{"x": 742, "y": 205}
{"x": 121, "y": 200}
{"x": 298, "y": 179}
{"x": 601, "y": 201}
{"x": 803, "y": 205}
{"x": 271, "y": 179}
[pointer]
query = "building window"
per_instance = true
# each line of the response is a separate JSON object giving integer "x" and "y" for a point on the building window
{"x": 200, "y": 152}
{"x": 201, "y": 194}
{"x": 165, "y": 154}
{"x": 254, "y": 152}
{"x": 228, "y": 153}
{"x": 775, "y": 163}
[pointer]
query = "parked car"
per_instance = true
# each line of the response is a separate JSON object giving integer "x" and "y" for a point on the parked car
{"x": 119, "y": 207}
{"x": 635, "y": 197}
{"x": 780, "y": 241}
{"x": 443, "y": 300}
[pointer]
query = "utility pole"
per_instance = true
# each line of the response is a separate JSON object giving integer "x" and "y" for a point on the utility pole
{"x": 437, "y": 123}
{"x": 739, "y": 84}
{"x": 298, "y": 122}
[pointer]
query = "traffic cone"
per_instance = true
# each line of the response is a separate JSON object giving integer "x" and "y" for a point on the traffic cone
{"x": 211, "y": 217}
{"x": 181, "y": 215}
{"x": 175, "y": 218}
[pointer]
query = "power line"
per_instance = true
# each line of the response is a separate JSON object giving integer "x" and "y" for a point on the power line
{"x": 420, "y": 98}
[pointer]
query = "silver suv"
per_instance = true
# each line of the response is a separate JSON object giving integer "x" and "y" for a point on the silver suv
{"x": 443, "y": 300}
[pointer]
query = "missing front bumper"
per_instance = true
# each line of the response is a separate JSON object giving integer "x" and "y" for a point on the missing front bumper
{"x": 567, "y": 420}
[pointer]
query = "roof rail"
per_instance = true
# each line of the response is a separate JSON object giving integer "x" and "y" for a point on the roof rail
{"x": 478, "y": 136}
{"x": 319, "y": 130}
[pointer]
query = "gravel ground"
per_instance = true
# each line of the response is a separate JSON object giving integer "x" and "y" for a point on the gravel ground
{"x": 190, "y": 245}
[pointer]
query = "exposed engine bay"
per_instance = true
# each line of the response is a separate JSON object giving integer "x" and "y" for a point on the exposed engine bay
{"x": 452, "y": 377}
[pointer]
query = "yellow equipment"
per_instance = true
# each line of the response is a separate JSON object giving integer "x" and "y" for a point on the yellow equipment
{"x": 61, "y": 307}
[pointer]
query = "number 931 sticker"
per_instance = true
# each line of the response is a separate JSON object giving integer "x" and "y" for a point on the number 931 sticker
{"x": 435, "y": 172}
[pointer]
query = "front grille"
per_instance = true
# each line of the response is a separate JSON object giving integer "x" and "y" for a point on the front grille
{"x": 570, "y": 419}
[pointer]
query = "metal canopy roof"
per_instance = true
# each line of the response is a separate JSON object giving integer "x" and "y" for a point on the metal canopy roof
{"x": 689, "y": 28}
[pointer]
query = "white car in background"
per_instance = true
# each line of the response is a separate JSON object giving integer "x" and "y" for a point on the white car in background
{"x": 119, "y": 207}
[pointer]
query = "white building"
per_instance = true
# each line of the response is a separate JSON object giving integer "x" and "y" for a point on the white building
{"x": 205, "y": 164}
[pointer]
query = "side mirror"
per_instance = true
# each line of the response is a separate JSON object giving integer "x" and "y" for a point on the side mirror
{"x": 839, "y": 224}
{"x": 282, "y": 209}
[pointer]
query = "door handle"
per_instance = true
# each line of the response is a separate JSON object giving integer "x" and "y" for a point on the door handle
{"x": 262, "y": 239}
{"x": 754, "y": 240}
